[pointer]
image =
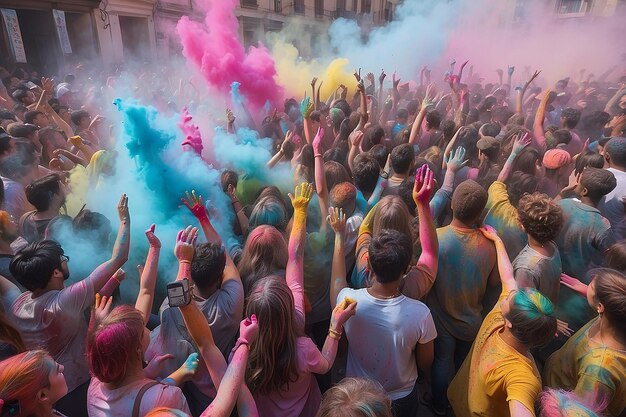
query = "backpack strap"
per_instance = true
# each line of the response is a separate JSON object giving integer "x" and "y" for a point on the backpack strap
{"x": 139, "y": 396}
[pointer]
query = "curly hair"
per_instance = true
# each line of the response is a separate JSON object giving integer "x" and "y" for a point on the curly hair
{"x": 541, "y": 218}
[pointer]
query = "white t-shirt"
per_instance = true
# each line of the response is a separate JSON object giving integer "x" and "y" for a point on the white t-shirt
{"x": 612, "y": 208}
{"x": 56, "y": 322}
{"x": 352, "y": 234}
{"x": 383, "y": 336}
{"x": 104, "y": 402}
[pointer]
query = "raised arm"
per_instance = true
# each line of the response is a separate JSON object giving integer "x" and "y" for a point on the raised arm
{"x": 518, "y": 146}
{"x": 104, "y": 271}
{"x": 295, "y": 263}
{"x": 306, "y": 108}
{"x": 505, "y": 268}
{"x": 113, "y": 282}
{"x": 337, "y": 220}
{"x": 355, "y": 147}
{"x": 417, "y": 124}
{"x": 519, "y": 107}
{"x": 450, "y": 146}
{"x": 148, "y": 276}
{"x": 381, "y": 80}
{"x": 540, "y": 137}
{"x": 509, "y": 73}
{"x": 415, "y": 286}
{"x": 320, "y": 178}
{"x": 363, "y": 100}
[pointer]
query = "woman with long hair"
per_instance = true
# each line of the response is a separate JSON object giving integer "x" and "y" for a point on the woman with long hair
{"x": 592, "y": 362}
{"x": 30, "y": 384}
{"x": 282, "y": 359}
{"x": 264, "y": 254}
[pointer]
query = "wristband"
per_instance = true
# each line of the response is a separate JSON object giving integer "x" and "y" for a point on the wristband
{"x": 168, "y": 381}
{"x": 239, "y": 343}
{"x": 184, "y": 262}
{"x": 333, "y": 334}
{"x": 317, "y": 155}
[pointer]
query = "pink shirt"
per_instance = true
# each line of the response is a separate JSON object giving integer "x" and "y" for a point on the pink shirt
{"x": 119, "y": 402}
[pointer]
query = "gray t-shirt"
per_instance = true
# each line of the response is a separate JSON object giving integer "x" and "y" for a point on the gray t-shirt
{"x": 534, "y": 270}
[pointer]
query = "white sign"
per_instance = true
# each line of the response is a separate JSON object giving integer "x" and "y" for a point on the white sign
{"x": 61, "y": 27}
{"x": 15, "y": 36}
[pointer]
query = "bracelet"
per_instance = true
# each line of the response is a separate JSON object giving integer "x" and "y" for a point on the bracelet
{"x": 238, "y": 344}
{"x": 185, "y": 262}
{"x": 168, "y": 381}
{"x": 317, "y": 155}
{"x": 333, "y": 334}
{"x": 117, "y": 280}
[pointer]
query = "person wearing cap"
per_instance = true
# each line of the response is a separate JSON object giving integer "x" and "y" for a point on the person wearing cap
{"x": 558, "y": 166}
{"x": 488, "y": 152}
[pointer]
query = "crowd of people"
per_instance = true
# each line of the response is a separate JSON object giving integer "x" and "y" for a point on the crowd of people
{"x": 453, "y": 244}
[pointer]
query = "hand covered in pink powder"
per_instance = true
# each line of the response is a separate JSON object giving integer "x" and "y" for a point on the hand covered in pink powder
{"x": 490, "y": 233}
{"x": 152, "y": 238}
{"x": 102, "y": 307}
{"x": 248, "y": 329}
{"x": 317, "y": 141}
{"x": 355, "y": 138}
{"x": 342, "y": 313}
{"x": 185, "y": 242}
{"x": 195, "y": 205}
{"x": 424, "y": 186}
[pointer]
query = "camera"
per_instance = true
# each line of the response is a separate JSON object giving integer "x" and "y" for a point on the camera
{"x": 179, "y": 293}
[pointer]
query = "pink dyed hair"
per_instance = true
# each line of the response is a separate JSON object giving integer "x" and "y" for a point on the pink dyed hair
{"x": 114, "y": 342}
{"x": 559, "y": 403}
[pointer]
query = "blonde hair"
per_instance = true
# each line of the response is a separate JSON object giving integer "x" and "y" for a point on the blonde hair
{"x": 355, "y": 397}
{"x": 392, "y": 213}
{"x": 165, "y": 412}
{"x": 265, "y": 252}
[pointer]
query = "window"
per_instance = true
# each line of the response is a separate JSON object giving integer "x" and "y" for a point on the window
{"x": 319, "y": 8}
{"x": 249, "y": 3}
{"x": 298, "y": 6}
{"x": 354, "y": 5}
{"x": 366, "y": 6}
{"x": 571, "y": 7}
{"x": 341, "y": 8}
{"x": 278, "y": 7}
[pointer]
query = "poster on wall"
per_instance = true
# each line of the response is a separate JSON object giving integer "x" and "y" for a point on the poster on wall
{"x": 15, "y": 36}
{"x": 61, "y": 28}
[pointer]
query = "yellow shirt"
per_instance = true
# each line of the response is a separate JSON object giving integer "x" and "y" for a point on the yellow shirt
{"x": 586, "y": 366}
{"x": 493, "y": 374}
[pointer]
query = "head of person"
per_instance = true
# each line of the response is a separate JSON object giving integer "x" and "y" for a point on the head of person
{"x": 519, "y": 184}
{"x": 21, "y": 165}
{"x": 64, "y": 113}
{"x": 528, "y": 161}
{"x": 335, "y": 173}
{"x": 468, "y": 201}
{"x": 272, "y": 363}
{"x": 58, "y": 227}
{"x": 607, "y": 295}
{"x": 556, "y": 162}
{"x": 559, "y": 403}
{"x": 489, "y": 129}
{"x": 595, "y": 183}
{"x": 228, "y": 179}
{"x": 37, "y": 118}
{"x": 529, "y": 316}
{"x": 392, "y": 214}
{"x": 390, "y": 254}
{"x": 23, "y": 96}
{"x": 7, "y": 145}
{"x": 264, "y": 252}
{"x": 365, "y": 172}
{"x": 337, "y": 116}
{"x": 540, "y": 217}
{"x": 433, "y": 119}
{"x": 561, "y": 137}
{"x": 38, "y": 264}
{"x": 271, "y": 211}
{"x": 93, "y": 227}
{"x": 402, "y": 159}
{"x": 372, "y": 136}
{"x": 207, "y": 267}
{"x": 344, "y": 106}
{"x": 343, "y": 195}
{"x": 488, "y": 149}
{"x": 46, "y": 192}
{"x": 26, "y": 131}
{"x": 588, "y": 159}
{"x": 615, "y": 153}
{"x": 8, "y": 228}
{"x": 116, "y": 344}
{"x": 80, "y": 119}
{"x": 51, "y": 140}
{"x": 570, "y": 118}
{"x": 30, "y": 384}
{"x": 381, "y": 153}
{"x": 402, "y": 116}
{"x": 615, "y": 257}
{"x": 338, "y": 154}
{"x": 355, "y": 397}
{"x": 500, "y": 115}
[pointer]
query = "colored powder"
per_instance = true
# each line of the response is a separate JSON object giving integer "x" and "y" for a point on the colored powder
{"x": 215, "y": 49}
{"x": 193, "y": 138}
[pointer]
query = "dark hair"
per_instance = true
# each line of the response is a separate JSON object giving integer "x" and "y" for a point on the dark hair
{"x": 405, "y": 192}
{"x": 402, "y": 114}
{"x": 401, "y": 158}
{"x": 21, "y": 130}
{"x": 390, "y": 254}
{"x": 344, "y": 106}
{"x": 433, "y": 119}
{"x": 92, "y": 227}
{"x": 589, "y": 159}
{"x": 19, "y": 94}
{"x": 337, "y": 154}
{"x": 520, "y": 183}
{"x": 532, "y": 318}
{"x": 570, "y": 117}
{"x": 7, "y": 115}
{"x": 335, "y": 173}
{"x": 526, "y": 161}
{"x": 381, "y": 153}
{"x": 207, "y": 265}
{"x": 372, "y": 136}
{"x": 228, "y": 177}
{"x": 30, "y": 116}
{"x": 598, "y": 182}
{"x": 78, "y": 115}
{"x": 615, "y": 256}
{"x": 562, "y": 136}
{"x": 468, "y": 201}
{"x": 616, "y": 150}
{"x": 20, "y": 163}
{"x": 490, "y": 129}
{"x": 412, "y": 106}
{"x": 501, "y": 115}
{"x": 610, "y": 286}
{"x": 542, "y": 219}
{"x": 39, "y": 193}
{"x": 448, "y": 127}
{"x": 34, "y": 265}
{"x": 5, "y": 142}
{"x": 365, "y": 172}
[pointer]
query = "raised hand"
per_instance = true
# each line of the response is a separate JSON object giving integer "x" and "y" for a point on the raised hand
{"x": 195, "y": 205}
{"x": 317, "y": 141}
{"x": 428, "y": 97}
{"x": 370, "y": 77}
{"x": 396, "y": 81}
{"x": 102, "y": 307}
{"x": 574, "y": 284}
{"x": 521, "y": 141}
{"x": 511, "y": 70}
{"x": 532, "y": 78}
{"x": 424, "y": 186}
{"x": 152, "y": 238}
{"x": 288, "y": 137}
{"x": 122, "y": 209}
{"x": 156, "y": 365}
{"x": 563, "y": 329}
{"x": 355, "y": 138}
{"x": 313, "y": 82}
{"x": 230, "y": 116}
{"x": 357, "y": 75}
{"x": 336, "y": 219}
{"x": 185, "y": 241}
{"x": 306, "y": 107}
{"x": 301, "y": 197}
{"x": 248, "y": 329}
{"x": 456, "y": 160}
{"x": 382, "y": 76}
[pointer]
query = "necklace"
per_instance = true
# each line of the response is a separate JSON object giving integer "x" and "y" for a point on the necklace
{"x": 376, "y": 294}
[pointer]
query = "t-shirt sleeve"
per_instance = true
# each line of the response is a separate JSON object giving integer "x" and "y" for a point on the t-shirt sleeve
{"x": 521, "y": 385}
{"x": 162, "y": 395}
{"x": 310, "y": 357}
{"x": 77, "y": 297}
{"x": 427, "y": 330}
{"x": 231, "y": 297}
{"x": 497, "y": 194}
{"x": 525, "y": 278}
{"x": 418, "y": 282}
